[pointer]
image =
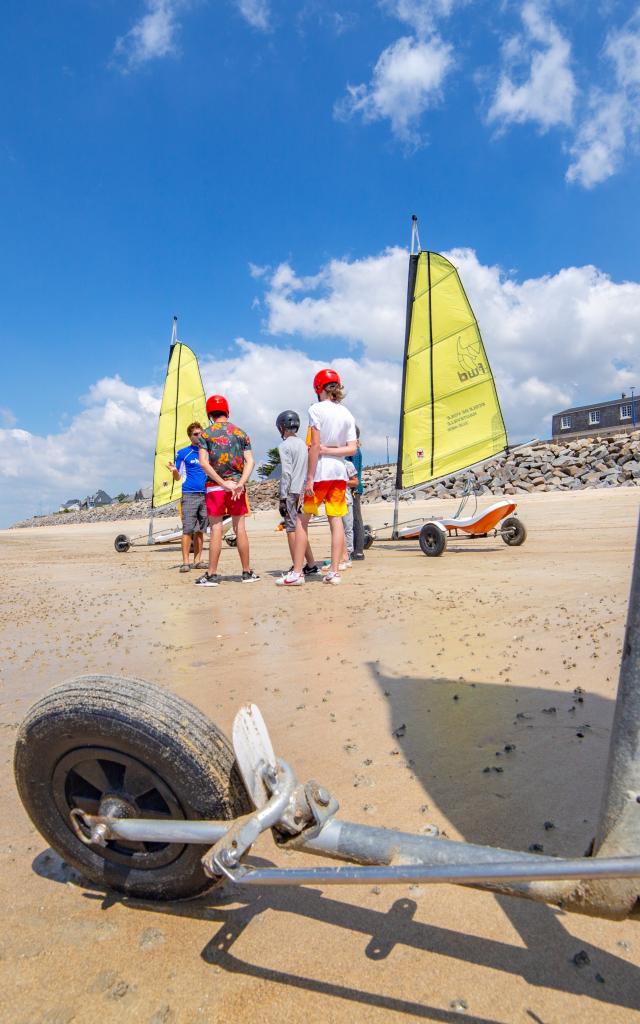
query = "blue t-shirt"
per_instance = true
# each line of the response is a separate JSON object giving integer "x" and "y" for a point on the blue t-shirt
{"x": 356, "y": 458}
{"x": 196, "y": 477}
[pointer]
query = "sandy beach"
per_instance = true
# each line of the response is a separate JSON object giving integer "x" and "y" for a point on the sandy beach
{"x": 453, "y": 649}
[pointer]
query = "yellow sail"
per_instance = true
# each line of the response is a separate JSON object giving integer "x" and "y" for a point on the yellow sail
{"x": 183, "y": 402}
{"x": 450, "y": 416}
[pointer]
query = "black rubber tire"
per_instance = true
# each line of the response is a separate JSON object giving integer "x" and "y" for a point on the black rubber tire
{"x": 122, "y": 543}
{"x": 513, "y": 532}
{"x": 231, "y": 540}
{"x": 432, "y": 540}
{"x": 155, "y": 731}
{"x": 368, "y": 537}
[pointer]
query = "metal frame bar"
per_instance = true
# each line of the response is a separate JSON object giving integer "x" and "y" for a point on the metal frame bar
{"x": 303, "y": 818}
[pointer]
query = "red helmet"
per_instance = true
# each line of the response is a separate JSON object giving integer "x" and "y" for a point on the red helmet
{"x": 324, "y": 377}
{"x": 217, "y": 403}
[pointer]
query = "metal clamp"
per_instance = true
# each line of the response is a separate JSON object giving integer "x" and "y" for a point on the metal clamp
{"x": 224, "y": 856}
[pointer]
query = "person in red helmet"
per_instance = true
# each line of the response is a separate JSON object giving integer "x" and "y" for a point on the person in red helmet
{"x": 227, "y": 461}
{"x": 331, "y": 439}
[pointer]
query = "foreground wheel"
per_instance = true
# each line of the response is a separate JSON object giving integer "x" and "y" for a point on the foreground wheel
{"x": 368, "y": 537}
{"x": 231, "y": 540}
{"x": 432, "y": 540}
{"x": 123, "y": 746}
{"x": 122, "y": 543}
{"x": 513, "y": 532}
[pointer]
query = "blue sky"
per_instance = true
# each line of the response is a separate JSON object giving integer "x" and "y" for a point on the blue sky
{"x": 154, "y": 151}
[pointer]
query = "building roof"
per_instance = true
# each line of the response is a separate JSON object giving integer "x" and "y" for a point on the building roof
{"x": 598, "y": 405}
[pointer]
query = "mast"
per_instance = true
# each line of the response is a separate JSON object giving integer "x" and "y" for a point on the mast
{"x": 413, "y": 258}
{"x": 174, "y": 339}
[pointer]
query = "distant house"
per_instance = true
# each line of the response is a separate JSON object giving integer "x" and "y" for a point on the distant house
{"x": 97, "y": 500}
{"x": 72, "y": 505}
{"x": 619, "y": 416}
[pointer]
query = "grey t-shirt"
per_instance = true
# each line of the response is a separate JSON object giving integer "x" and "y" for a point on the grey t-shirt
{"x": 293, "y": 459}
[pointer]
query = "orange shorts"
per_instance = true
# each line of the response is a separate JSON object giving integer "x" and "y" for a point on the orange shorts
{"x": 330, "y": 493}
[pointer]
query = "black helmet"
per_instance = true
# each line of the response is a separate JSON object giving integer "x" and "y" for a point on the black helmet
{"x": 288, "y": 420}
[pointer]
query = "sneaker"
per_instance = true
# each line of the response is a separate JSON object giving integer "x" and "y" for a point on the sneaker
{"x": 249, "y": 576}
{"x": 341, "y": 567}
{"x": 332, "y": 577}
{"x": 208, "y": 581}
{"x": 185, "y": 568}
{"x": 292, "y": 579}
{"x": 357, "y": 557}
{"x": 345, "y": 565}
{"x": 310, "y": 570}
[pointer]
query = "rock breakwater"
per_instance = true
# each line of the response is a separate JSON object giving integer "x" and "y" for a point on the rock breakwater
{"x": 541, "y": 466}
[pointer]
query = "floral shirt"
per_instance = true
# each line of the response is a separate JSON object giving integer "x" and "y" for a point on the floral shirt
{"x": 226, "y": 445}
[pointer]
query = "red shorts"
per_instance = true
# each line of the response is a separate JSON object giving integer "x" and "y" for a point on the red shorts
{"x": 221, "y": 502}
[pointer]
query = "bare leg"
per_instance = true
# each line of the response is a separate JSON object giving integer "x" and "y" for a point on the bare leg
{"x": 198, "y": 544}
{"x": 240, "y": 530}
{"x": 301, "y": 543}
{"x": 186, "y": 547}
{"x": 215, "y": 543}
{"x": 337, "y": 541}
{"x": 291, "y": 537}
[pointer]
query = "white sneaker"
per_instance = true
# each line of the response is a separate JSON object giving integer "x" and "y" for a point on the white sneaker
{"x": 341, "y": 567}
{"x": 332, "y": 577}
{"x": 292, "y": 579}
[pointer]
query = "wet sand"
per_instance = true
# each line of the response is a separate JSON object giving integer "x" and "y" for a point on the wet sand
{"x": 396, "y": 691}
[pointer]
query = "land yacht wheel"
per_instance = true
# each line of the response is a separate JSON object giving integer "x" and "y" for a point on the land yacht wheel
{"x": 231, "y": 540}
{"x": 368, "y": 537}
{"x": 122, "y": 543}
{"x": 432, "y": 540}
{"x": 513, "y": 532}
{"x": 122, "y": 746}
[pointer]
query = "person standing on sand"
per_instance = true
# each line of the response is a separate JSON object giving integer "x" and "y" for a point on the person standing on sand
{"x": 332, "y": 439}
{"x": 194, "y": 512}
{"x": 358, "y": 525}
{"x": 294, "y": 458}
{"x": 226, "y": 459}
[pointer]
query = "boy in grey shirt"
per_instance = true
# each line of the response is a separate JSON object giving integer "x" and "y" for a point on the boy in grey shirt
{"x": 293, "y": 463}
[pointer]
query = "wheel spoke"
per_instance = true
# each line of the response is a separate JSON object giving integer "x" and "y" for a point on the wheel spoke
{"x": 93, "y": 773}
{"x": 85, "y": 803}
{"x": 136, "y": 781}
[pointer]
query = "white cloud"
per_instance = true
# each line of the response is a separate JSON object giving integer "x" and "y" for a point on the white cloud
{"x": 260, "y": 380}
{"x": 547, "y": 92}
{"x": 612, "y": 120}
{"x": 420, "y": 15}
{"x": 553, "y": 341}
{"x": 108, "y": 444}
{"x": 407, "y": 80}
{"x": 256, "y": 12}
{"x": 359, "y": 301}
{"x": 151, "y": 37}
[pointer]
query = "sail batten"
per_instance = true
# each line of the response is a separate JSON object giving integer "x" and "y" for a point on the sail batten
{"x": 183, "y": 402}
{"x": 450, "y": 416}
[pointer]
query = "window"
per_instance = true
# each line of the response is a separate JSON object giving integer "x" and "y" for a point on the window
{"x": 594, "y": 417}
{"x": 565, "y": 422}
{"x": 625, "y": 412}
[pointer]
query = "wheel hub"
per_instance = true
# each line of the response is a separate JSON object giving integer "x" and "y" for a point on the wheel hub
{"x": 106, "y": 782}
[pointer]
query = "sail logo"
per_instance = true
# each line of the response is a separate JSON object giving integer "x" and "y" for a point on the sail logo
{"x": 419, "y": 453}
{"x": 469, "y": 358}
